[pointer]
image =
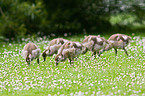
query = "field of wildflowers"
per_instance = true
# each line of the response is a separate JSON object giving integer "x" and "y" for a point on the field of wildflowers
{"x": 104, "y": 75}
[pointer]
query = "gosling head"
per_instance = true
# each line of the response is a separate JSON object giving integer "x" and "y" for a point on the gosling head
{"x": 59, "y": 58}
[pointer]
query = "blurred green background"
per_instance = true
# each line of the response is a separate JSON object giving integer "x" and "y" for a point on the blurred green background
{"x": 20, "y": 18}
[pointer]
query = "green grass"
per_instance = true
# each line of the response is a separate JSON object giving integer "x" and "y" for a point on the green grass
{"x": 105, "y": 75}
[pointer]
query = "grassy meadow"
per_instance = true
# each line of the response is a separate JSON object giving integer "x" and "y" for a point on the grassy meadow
{"x": 104, "y": 75}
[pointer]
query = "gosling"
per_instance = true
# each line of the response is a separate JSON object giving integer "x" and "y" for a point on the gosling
{"x": 31, "y": 52}
{"x": 53, "y": 47}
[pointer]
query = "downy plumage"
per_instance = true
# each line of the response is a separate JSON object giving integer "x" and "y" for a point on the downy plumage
{"x": 68, "y": 50}
{"x": 94, "y": 44}
{"x": 53, "y": 47}
{"x": 30, "y": 52}
{"x": 117, "y": 41}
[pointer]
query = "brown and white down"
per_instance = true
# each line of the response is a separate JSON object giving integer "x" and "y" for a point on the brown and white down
{"x": 68, "y": 50}
{"x": 31, "y": 52}
{"x": 94, "y": 44}
{"x": 53, "y": 47}
{"x": 117, "y": 41}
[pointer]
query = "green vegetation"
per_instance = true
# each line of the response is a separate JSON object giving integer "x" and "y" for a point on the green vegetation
{"x": 105, "y": 75}
{"x": 39, "y": 21}
{"x": 20, "y": 18}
